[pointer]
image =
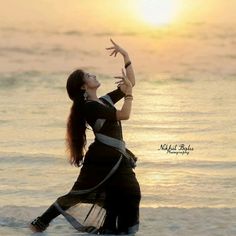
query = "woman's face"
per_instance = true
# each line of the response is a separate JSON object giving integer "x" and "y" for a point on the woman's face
{"x": 91, "y": 81}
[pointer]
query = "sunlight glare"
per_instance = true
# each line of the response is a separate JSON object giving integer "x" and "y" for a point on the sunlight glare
{"x": 157, "y": 12}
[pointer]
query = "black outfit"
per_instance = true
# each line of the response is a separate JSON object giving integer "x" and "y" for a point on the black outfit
{"x": 119, "y": 195}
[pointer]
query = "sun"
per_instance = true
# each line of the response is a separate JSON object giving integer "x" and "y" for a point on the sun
{"x": 157, "y": 12}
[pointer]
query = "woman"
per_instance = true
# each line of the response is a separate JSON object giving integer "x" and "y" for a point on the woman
{"x": 106, "y": 190}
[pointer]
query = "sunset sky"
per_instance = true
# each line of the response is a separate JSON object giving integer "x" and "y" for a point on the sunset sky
{"x": 158, "y": 30}
{"x": 112, "y": 15}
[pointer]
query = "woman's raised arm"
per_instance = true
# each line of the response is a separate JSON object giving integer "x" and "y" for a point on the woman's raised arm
{"x": 128, "y": 65}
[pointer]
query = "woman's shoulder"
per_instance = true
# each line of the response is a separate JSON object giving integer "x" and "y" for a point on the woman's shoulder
{"x": 94, "y": 103}
{"x": 92, "y": 106}
{"x": 97, "y": 109}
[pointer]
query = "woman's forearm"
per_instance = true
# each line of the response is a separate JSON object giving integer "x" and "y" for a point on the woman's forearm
{"x": 125, "y": 111}
{"x": 129, "y": 69}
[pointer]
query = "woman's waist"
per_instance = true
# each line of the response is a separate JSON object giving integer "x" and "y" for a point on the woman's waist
{"x": 111, "y": 132}
{"x": 99, "y": 149}
{"x": 101, "y": 153}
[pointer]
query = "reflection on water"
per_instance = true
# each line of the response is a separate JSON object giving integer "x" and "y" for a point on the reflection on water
{"x": 185, "y": 94}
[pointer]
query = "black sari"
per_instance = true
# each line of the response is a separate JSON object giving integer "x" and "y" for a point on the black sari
{"x": 105, "y": 198}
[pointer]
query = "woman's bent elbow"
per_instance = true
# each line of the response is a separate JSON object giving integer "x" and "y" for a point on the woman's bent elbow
{"x": 121, "y": 116}
{"x": 126, "y": 118}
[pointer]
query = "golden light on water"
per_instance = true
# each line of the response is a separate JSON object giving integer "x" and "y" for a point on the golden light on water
{"x": 158, "y": 12}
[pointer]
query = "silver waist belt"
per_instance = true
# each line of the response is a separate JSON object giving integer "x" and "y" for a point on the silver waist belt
{"x": 113, "y": 142}
{"x": 120, "y": 144}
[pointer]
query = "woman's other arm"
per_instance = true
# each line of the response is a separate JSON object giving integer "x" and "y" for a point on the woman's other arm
{"x": 125, "y": 111}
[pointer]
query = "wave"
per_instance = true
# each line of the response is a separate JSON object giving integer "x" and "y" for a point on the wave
{"x": 20, "y": 158}
{"x": 34, "y": 78}
{"x": 31, "y": 159}
{"x": 31, "y": 78}
{"x": 71, "y": 32}
{"x": 202, "y": 221}
{"x": 40, "y": 51}
{"x": 189, "y": 164}
{"x": 204, "y": 31}
{"x": 28, "y": 212}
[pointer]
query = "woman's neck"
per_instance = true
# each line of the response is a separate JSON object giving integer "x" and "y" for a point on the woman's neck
{"x": 92, "y": 95}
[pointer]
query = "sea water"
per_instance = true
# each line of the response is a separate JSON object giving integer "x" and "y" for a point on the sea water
{"x": 184, "y": 97}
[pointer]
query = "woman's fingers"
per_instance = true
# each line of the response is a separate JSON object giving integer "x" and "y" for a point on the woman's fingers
{"x": 116, "y": 48}
{"x": 118, "y": 77}
{"x": 121, "y": 77}
{"x": 110, "y": 48}
{"x": 113, "y": 41}
{"x": 124, "y": 80}
{"x": 112, "y": 53}
{"x": 119, "y": 82}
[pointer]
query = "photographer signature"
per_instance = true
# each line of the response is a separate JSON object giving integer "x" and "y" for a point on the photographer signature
{"x": 176, "y": 149}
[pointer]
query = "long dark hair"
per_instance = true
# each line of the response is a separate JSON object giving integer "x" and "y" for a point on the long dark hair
{"x": 76, "y": 123}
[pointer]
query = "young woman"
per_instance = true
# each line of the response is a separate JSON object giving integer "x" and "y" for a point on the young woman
{"x": 106, "y": 195}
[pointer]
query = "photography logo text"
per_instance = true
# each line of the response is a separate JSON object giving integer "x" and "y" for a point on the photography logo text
{"x": 176, "y": 149}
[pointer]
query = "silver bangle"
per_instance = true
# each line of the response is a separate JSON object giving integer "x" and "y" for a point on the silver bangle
{"x": 129, "y": 98}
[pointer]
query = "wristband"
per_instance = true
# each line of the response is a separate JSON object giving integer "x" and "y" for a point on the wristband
{"x": 127, "y": 64}
{"x": 129, "y": 98}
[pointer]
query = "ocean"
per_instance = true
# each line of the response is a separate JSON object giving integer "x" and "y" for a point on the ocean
{"x": 182, "y": 125}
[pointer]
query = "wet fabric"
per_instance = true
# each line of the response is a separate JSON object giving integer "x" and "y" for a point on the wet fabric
{"x": 106, "y": 195}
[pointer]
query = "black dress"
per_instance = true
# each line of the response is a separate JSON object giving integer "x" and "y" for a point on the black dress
{"x": 106, "y": 195}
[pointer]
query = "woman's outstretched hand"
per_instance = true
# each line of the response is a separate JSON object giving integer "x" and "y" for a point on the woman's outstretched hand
{"x": 124, "y": 84}
{"x": 128, "y": 80}
{"x": 117, "y": 49}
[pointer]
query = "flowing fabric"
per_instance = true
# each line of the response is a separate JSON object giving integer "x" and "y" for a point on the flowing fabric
{"x": 91, "y": 213}
{"x": 105, "y": 198}
{"x": 90, "y": 205}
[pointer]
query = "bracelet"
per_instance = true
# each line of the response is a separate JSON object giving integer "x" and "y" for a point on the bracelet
{"x": 127, "y": 64}
{"x": 128, "y": 95}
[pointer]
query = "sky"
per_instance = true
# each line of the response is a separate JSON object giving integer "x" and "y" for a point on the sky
{"x": 205, "y": 25}
{"x": 108, "y": 15}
